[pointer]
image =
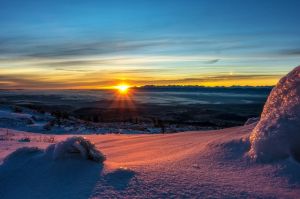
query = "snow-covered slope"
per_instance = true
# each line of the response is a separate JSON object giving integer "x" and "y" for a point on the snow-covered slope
{"x": 33, "y": 121}
{"x": 277, "y": 134}
{"x": 208, "y": 164}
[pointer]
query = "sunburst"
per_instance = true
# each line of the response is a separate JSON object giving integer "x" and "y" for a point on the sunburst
{"x": 122, "y": 88}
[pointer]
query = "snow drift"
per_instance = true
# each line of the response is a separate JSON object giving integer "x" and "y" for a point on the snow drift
{"x": 74, "y": 146}
{"x": 277, "y": 135}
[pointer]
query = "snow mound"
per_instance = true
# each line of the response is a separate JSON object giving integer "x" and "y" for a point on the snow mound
{"x": 74, "y": 146}
{"x": 277, "y": 135}
{"x": 30, "y": 172}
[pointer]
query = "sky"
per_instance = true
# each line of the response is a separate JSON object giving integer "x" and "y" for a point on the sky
{"x": 93, "y": 44}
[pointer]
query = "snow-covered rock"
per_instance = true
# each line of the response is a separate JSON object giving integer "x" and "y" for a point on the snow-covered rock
{"x": 277, "y": 135}
{"x": 75, "y": 145}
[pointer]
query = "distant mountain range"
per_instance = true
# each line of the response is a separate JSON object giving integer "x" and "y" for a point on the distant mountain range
{"x": 235, "y": 89}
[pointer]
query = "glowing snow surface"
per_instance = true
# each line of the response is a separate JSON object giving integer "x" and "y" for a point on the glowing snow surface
{"x": 277, "y": 135}
{"x": 207, "y": 164}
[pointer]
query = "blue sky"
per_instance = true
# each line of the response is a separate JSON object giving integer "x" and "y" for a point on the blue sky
{"x": 95, "y": 44}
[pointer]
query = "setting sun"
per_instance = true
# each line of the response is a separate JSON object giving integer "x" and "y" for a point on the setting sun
{"x": 123, "y": 88}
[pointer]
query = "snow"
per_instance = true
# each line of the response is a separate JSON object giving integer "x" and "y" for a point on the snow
{"x": 200, "y": 164}
{"x": 10, "y": 115}
{"x": 10, "y": 119}
{"x": 75, "y": 145}
{"x": 33, "y": 121}
{"x": 277, "y": 134}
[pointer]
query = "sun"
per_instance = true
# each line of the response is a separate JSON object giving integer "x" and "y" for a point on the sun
{"x": 122, "y": 88}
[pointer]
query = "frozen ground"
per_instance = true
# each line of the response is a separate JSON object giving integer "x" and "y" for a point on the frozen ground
{"x": 208, "y": 164}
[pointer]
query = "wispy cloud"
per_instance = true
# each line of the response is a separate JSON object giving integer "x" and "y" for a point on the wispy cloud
{"x": 25, "y": 46}
{"x": 290, "y": 52}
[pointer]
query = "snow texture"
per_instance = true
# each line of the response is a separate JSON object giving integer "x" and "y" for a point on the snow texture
{"x": 201, "y": 164}
{"x": 277, "y": 135}
{"x": 73, "y": 146}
